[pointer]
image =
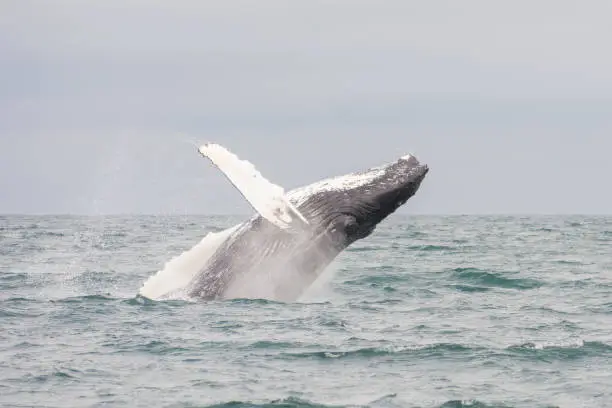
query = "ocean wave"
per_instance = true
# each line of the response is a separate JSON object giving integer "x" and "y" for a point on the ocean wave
{"x": 431, "y": 248}
{"x": 156, "y": 347}
{"x": 85, "y": 299}
{"x": 570, "y": 262}
{"x": 375, "y": 302}
{"x": 365, "y": 248}
{"x": 548, "y": 310}
{"x": 379, "y": 280}
{"x": 16, "y": 227}
{"x": 252, "y": 301}
{"x": 605, "y": 308}
{"x": 549, "y": 351}
{"x": 546, "y": 229}
{"x": 541, "y": 351}
{"x": 472, "y": 404}
{"x": 470, "y": 288}
{"x": 290, "y": 402}
{"x": 480, "y": 277}
{"x": 57, "y": 376}
{"x": 19, "y": 307}
{"x": 386, "y": 401}
{"x": 433, "y": 350}
{"x": 20, "y": 299}
{"x": 6, "y": 313}
{"x": 9, "y": 277}
{"x": 44, "y": 234}
{"x": 269, "y": 344}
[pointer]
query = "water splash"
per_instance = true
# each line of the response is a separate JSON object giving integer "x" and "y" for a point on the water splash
{"x": 179, "y": 271}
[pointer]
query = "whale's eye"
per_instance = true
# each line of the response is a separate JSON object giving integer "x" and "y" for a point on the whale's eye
{"x": 350, "y": 225}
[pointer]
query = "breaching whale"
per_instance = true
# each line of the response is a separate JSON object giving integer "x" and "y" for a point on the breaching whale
{"x": 292, "y": 238}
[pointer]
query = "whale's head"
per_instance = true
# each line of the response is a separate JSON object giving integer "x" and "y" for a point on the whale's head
{"x": 350, "y": 207}
{"x": 388, "y": 188}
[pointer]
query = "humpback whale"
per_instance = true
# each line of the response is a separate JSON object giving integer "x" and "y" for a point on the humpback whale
{"x": 292, "y": 238}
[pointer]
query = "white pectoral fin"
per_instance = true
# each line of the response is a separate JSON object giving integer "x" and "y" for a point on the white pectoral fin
{"x": 266, "y": 198}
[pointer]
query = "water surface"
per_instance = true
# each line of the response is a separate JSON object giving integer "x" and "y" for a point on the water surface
{"x": 491, "y": 311}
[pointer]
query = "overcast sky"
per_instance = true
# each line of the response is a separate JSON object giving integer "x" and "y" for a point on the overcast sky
{"x": 102, "y": 103}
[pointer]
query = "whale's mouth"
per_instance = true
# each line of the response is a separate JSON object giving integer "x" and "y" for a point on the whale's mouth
{"x": 423, "y": 169}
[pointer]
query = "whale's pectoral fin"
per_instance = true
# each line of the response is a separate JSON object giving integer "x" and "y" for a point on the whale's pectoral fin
{"x": 266, "y": 198}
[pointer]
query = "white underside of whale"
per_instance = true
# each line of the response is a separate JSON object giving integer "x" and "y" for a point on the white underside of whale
{"x": 268, "y": 199}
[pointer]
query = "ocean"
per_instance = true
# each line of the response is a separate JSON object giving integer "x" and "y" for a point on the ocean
{"x": 429, "y": 311}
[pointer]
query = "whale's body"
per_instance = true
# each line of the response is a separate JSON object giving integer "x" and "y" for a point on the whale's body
{"x": 282, "y": 250}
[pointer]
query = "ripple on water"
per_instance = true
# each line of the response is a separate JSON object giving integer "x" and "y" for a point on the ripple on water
{"x": 483, "y": 280}
{"x": 387, "y": 401}
{"x": 549, "y": 352}
{"x": 438, "y": 351}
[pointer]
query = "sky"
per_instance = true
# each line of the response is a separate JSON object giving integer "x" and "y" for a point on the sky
{"x": 102, "y": 104}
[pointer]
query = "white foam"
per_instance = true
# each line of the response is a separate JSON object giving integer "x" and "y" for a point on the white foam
{"x": 267, "y": 198}
{"x": 180, "y": 270}
{"x": 575, "y": 343}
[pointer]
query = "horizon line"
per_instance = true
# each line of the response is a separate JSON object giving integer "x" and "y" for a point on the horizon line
{"x": 215, "y": 214}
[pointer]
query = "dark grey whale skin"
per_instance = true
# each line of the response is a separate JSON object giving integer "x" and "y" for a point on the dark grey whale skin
{"x": 293, "y": 259}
